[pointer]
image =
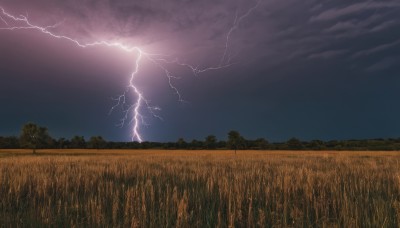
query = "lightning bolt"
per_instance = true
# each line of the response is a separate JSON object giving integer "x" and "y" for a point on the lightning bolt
{"x": 226, "y": 60}
{"x": 21, "y": 22}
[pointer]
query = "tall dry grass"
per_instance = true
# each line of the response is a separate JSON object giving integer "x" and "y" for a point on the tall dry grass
{"x": 200, "y": 189}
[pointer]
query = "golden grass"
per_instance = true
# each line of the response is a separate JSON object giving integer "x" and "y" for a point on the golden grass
{"x": 159, "y": 188}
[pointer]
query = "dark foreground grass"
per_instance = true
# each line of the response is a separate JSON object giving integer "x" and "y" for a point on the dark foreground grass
{"x": 199, "y": 189}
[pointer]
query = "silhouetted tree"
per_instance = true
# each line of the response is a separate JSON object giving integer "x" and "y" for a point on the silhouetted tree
{"x": 221, "y": 144}
{"x": 333, "y": 144}
{"x": 181, "y": 144}
{"x": 317, "y": 145}
{"x": 3, "y": 143}
{"x": 133, "y": 145}
{"x": 97, "y": 142}
{"x": 294, "y": 144}
{"x": 261, "y": 143}
{"x": 78, "y": 142}
{"x": 61, "y": 143}
{"x": 10, "y": 142}
{"x": 196, "y": 144}
{"x": 235, "y": 141}
{"x": 34, "y": 137}
{"x": 210, "y": 142}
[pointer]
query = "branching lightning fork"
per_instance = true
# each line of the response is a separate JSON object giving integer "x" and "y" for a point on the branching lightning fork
{"x": 21, "y": 22}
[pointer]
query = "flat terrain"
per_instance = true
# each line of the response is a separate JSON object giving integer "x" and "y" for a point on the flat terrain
{"x": 162, "y": 188}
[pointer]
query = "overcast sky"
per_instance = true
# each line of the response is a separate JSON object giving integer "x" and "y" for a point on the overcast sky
{"x": 308, "y": 69}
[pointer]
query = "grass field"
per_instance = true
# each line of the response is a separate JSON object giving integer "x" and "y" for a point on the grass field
{"x": 157, "y": 188}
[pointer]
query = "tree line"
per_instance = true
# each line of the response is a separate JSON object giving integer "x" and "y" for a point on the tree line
{"x": 36, "y": 137}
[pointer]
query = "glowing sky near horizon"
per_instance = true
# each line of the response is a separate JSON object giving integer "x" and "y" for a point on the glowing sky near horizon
{"x": 315, "y": 69}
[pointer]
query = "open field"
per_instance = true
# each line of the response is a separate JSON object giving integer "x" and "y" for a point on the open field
{"x": 158, "y": 188}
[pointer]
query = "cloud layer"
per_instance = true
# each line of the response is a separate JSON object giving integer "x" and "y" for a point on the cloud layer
{"x": 308, "y": 60}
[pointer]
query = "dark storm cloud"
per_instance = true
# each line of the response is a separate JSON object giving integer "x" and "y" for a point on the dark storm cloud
{"x": 383, "y": 64}
{"x": 352, "y": 9}
{"x": 377, "y": 49}
{"x": 292, "y": 58}
{"x": 284, "y": 28}
{"x": 347, "y": 30}
{"x": 179, "y": 25}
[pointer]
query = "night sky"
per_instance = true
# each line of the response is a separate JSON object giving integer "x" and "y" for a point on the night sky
{"x": 311, "y": 69}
